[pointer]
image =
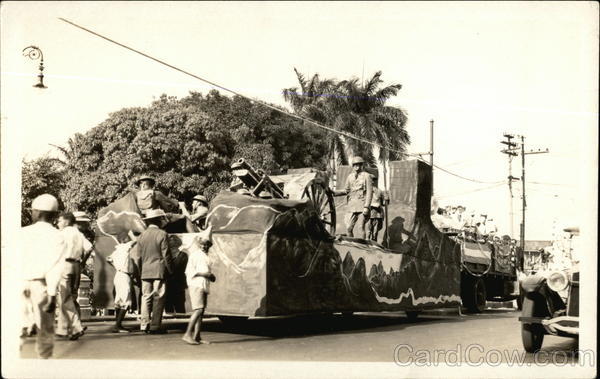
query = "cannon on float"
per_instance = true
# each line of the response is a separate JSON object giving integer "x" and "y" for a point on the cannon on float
{"x": 283, "y": 255}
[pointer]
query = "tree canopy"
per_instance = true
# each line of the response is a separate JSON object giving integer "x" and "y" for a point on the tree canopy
{"x": 39, "y": 176}
{"x": 357, "y": 108}
{"x": 188, "y": 144}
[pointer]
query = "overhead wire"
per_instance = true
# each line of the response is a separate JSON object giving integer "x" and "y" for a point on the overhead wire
{"x": 298, "y": 117}
{"x": 465, "y": 178}
{"x": 472, "y": 191}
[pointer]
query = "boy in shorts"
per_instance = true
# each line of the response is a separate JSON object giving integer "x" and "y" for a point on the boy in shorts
{"x": 198, "y": 276}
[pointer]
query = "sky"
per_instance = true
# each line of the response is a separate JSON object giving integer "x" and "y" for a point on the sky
{"x": 478, "y": 70}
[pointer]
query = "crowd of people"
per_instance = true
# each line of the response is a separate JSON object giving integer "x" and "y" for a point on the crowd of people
{"x": 56, "y": 246}
{"x": 471, "y": 224}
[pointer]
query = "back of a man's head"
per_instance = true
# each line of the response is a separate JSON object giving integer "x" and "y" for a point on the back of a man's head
{"x": 68, "y": 217}
{"x": 44, "y": 208}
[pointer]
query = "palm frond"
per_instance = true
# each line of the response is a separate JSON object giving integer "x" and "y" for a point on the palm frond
{"x": 301, "y": 80}
{"x": 370, "y": 86}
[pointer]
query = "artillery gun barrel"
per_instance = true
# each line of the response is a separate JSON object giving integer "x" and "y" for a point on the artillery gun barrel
{"x": 255, "y": 179}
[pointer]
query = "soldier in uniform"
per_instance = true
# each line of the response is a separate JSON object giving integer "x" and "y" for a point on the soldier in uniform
{"x": 359, "y": 192}
{"x": 377, "y": 210}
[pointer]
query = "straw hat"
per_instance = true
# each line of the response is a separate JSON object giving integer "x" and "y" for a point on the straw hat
{"x": 154, "y": 213}
{"x": 81, "y": 216}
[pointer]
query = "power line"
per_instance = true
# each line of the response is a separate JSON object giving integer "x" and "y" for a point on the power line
{"x": 475, "y": 190}
{"x": 345, "y": 134}
{"x": 465, "y": 178}
{"x": 551, "y": 184}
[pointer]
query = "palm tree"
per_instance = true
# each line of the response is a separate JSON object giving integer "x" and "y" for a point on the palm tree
{"x": 358, "y": 109}
{"x": 365, "y": 114}
{"x": 316, "y": 100}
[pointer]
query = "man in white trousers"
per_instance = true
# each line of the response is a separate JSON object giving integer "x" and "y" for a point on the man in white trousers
{"x": 42, "y": 257}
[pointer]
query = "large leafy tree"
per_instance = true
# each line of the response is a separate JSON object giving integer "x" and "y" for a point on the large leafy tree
{"x": 39, "y": 176}
{"x": 188, "y": 144}
{"x": 356, "y": 108}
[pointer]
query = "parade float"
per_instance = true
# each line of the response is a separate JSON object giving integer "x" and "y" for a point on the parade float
{"x": 280, "y": 254}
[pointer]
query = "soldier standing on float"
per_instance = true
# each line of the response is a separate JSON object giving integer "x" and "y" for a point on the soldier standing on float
{"x": 359, "y": 192}
{"x": 377, "y": 210}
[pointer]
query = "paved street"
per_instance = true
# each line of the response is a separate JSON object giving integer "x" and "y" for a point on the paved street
{"x": 362, "y": 337}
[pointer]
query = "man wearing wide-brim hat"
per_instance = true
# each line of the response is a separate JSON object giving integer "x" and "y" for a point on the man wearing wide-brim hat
{"x": 147, "y": 197}
{"x": 155, "y": 264}
{"x": 359, "y": 192}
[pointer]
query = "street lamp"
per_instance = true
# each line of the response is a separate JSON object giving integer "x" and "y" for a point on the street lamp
{"x": 34, "y": 53}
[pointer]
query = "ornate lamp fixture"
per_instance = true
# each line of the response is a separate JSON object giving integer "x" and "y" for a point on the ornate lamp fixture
{"x": 34, "y": 53}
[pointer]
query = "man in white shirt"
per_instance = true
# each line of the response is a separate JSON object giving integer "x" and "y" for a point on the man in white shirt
{"x": 69, "y": 323}
{"x": 82, "y": 222}
{"x": 490, "y": 228}
{"x": 122, "y": 281}
{"x": 42, "y": 265}
{"x": 459, "y": 218}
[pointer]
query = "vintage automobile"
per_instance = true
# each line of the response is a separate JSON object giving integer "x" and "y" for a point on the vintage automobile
{"x": 550, "y": 304}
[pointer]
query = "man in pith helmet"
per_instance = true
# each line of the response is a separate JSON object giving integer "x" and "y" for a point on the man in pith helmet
{"x": 43, "y": 255}
{"x": 359, "y": 193}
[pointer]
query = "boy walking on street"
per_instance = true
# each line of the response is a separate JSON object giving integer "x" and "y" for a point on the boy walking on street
{"x": 198, "y": 275}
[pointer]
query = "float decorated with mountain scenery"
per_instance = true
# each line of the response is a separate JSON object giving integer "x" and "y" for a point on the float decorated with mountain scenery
{"x": 279, "y": 254}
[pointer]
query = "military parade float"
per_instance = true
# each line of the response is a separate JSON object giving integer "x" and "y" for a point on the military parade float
{"x": 276, "y": 252}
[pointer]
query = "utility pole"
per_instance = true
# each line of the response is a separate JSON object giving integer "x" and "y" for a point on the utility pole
{"x": 523, "y": 193}
{"x": 431, "y": 152}
{"x": 523, "y": 153}
{"x": 510, "y": 151}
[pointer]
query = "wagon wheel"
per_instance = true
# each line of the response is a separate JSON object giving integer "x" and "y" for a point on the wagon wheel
{"x": 322, "y": 199}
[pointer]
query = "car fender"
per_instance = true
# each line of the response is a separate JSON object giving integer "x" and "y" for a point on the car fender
{"x": 533, "y": 283}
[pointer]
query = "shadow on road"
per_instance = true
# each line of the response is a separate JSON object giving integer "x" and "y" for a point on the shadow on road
{"x": 307, "y": 325}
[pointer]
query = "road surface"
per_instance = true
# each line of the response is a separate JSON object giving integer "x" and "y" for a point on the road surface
{"x": 378, "y": 337}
